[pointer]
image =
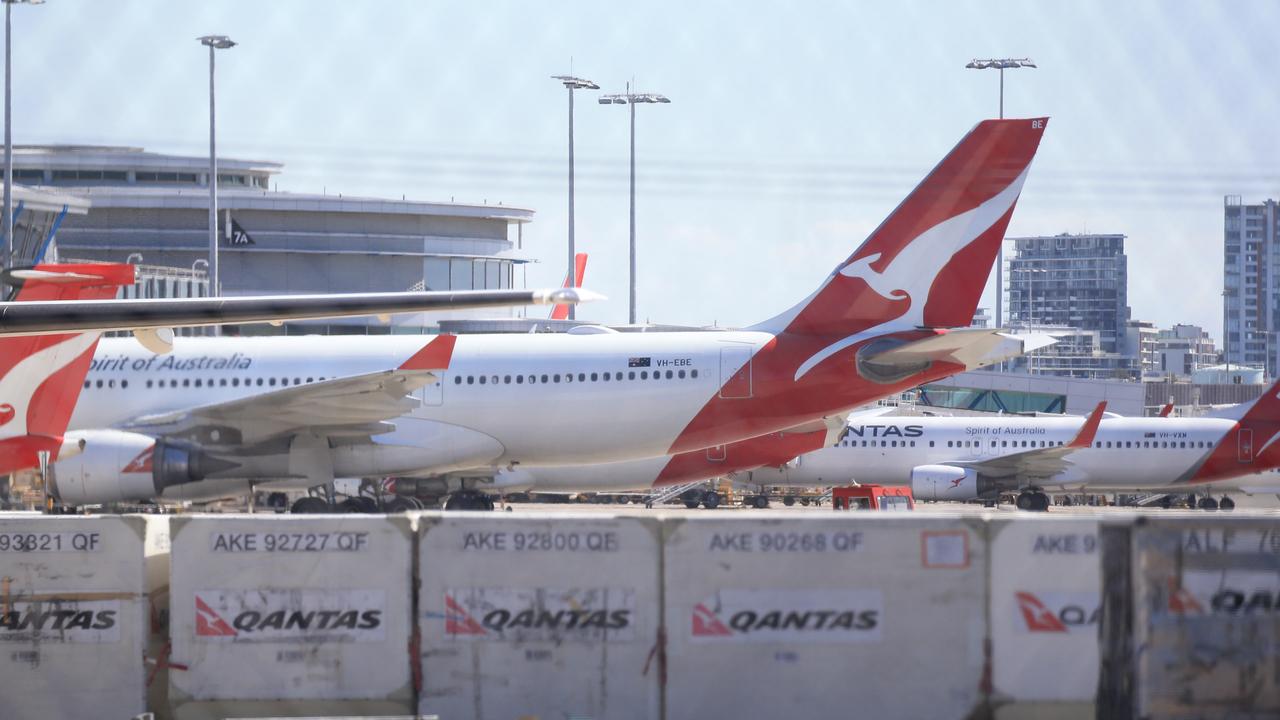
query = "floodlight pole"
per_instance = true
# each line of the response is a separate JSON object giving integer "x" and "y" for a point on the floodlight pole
{"x": 1000, "y": 64}
{"x": 632, "y": 99}
{"x": 7, "y": 260}
{"x": 213, "y": 42}
{"x": 8, "y": 142}
{"x": 572, "y": 83}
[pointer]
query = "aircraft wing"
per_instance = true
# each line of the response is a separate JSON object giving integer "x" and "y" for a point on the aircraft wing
{"x": 56, "y": 316}
{"x": 1039, "y": 462}
{"x": 357, "y": 404}
{"x": 971, "y": 347}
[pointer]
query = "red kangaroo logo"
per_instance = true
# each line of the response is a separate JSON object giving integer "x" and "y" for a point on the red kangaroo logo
{"x": 6, "y": 413}
{"x": 956, "y": 483}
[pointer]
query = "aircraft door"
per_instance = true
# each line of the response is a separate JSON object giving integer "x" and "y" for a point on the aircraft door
{"x": 1244, "y": 446}
{"x": 735, "y": 372}
{"x": 433, "y": 392}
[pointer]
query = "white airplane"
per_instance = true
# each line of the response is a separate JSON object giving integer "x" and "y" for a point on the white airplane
{"x": 44, "y": 357}
{"x": 967, "y": 458}
{"x": 453, "y": 411}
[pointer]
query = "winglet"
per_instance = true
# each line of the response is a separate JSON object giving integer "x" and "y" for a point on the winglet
{"x": 435, "y": 355}
{"x": 1090, "y": 429}
{"x": 1164, "y": 411}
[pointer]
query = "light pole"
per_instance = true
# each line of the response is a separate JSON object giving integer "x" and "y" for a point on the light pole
{"x": 8, "y": 131}
{"x": 633, "y": 99}
{"x": 572, "y": 83}
{"x": 1030, "y": 318}
{"x": 213, "y": 42}
{"x": 1000, "y": 64}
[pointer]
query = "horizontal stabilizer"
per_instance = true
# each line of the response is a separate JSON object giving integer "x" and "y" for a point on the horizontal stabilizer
{"x": 971, "y": 347}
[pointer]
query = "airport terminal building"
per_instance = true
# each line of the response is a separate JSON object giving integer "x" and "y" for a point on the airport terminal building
{"x": 153, "y": 209}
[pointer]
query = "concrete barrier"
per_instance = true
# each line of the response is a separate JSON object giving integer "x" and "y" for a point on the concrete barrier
{"x": 1196, "y": 631}
{"x": 1046, "y": 602}
{"x": 873, "y": 616}
{"x": 539, "y": 616}
{"x": 73, "y": 616}
{"x": 276, "y": 615}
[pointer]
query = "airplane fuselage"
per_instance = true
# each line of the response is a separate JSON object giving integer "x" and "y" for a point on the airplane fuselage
{"x": 1126, "y": 454}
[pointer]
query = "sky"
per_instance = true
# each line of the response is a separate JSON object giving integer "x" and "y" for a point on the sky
{"x": 794, "y": 128}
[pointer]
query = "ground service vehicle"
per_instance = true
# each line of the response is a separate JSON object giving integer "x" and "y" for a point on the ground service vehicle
{"x": 872, "y": 497}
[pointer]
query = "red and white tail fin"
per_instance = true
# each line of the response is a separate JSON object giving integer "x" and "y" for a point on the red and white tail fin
{"x": 928, "y": 262}
{"x": 1252, "y": 445}
{"x": 561, "y": 312}
{"x": 41, "y": 375}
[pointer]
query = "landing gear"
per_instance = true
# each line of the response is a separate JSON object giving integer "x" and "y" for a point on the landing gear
{"x": 804, "y": 500}
{"x": 759, "y": 502}
{"x": 400, "y": 504}
{"x": 789, "y": 500}
{"x": 1226, "y": 503}
{"x": 278, "y": 501}
{"x": 358, "y": 504}
{"x": 691, "y": 499}
{"x": 309, "y": 506}
{"x": 1208, "y": 503}
{"x": 711, "y": 500}
{"x": 469, "y": 500}
{"x": 1033, "y": 501}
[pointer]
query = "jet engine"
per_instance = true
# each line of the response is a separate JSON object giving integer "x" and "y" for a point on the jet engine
{"x": 948, "y": 482}
{"x": 117, "y": 466}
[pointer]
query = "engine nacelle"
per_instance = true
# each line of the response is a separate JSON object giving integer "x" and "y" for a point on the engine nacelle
{"x": 117, "y": 466}
{"x": 948, "y": 482}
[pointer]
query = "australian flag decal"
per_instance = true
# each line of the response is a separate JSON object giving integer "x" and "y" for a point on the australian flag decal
{"x": 636, "y": 362}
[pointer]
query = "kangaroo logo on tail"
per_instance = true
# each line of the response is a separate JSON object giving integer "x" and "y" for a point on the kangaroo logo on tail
{"x": 911, "y": 273}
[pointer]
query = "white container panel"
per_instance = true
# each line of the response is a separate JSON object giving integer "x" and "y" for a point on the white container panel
{"x": 291, "y": 608}
{"x": 1046, "y": 598}
{"x": 550, "y": 617}
{"x": 858, "y": 614}
{"x": 73, "y": 617}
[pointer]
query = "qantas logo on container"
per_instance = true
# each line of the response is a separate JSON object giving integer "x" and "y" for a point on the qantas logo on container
{"x": 800, "y": 615}
{"x": 284, "y": 615}
{"x": 1058, "y": 612}
{"x": 530, "y": 614}
{"x": 56, "y": 620}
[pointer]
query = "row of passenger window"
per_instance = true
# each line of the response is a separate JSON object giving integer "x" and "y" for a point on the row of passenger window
{"x": 570, "y": 377}
{"x": 210, "y": 382}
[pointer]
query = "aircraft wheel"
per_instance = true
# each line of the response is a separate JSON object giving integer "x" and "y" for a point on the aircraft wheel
{"x": 278, "y": 501}
{"x": 309, "y": 506}
{"x": 1025, "y": 501}
{"x": 789, "y": 500}
{"x": 399, "y": 505}
{"x": 711, "y": 500}
{"x": 691, "y": 504}
{"x": 623, "y": 499}
{"x": 1040, "y": 502}
{"x": 1165, "y": 502}
{"x": 1227, "y": 503}
{"x": 804, "y": 501}
{"x": 760, "y": 502}
{"x": 1207, "y": 503}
